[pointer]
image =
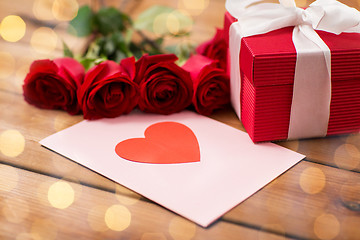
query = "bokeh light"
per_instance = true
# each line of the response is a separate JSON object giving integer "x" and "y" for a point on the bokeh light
{"x": 153, "y": 236}
{"x": 182, "y": 229}
{"x": 326, "y": 226}
{"x": 117, "y": 217}
{"x": 42, "y": 9}
{"x": 7, "y": 65}
{"x": 175, "y": 22}
{"x": 312, "y": 180}
{"x": 44, "y": 40}
{"x": 42, "y": 229}
{"x": 96, "y": 218}
{"x": 12, "y": 28}
{"x": 61, "y": 195}
{"x": 130, "y": 197}
{"x": 194, "y": 7}
{"x": 347, "y": 156}
{"x": 65, "y": 10}
{"x": 9, "y": 178}
{"x": 160, "y": 24}
{"x": 15, "y": 210}
{"x": 12, "y": 143}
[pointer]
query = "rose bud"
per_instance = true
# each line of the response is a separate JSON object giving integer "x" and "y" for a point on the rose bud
{"x": 211, "y": 84}
{"x": 53, "y": 84}
{"x": 108, "y": 90}
{"x": 165, "y": 87}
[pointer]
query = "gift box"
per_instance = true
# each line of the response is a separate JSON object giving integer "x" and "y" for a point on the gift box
{"x": 267, "y": 68}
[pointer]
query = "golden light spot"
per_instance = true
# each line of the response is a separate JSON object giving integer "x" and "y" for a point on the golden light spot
{"x": 312, "y": 180}
{"x": 74, "y": 184}
{"x": 12, "y": 143}
{"x": 15, "y": 210}
{"x": 153, "y": 236}
{"x": 42, "y": 229}
{"x": 347, "y": 156}
{"x": 195, "y": 7}
{"x": 12, "y": 28}
{"x": 96, "y": 218}
{"x": 117, "y": 217}
{"x": 173, "y": 24}
{"x": 130, "y": 197}
{"x": 7, "y": 64}
{"x": 181, "y": 228}
{"x": 44, "y": 40}
{"x": 159, "y": 25}
{"x": 326, "y": 227}
{"x": 9, "y": 178}
{"x": 179, "y": 21}
{"x": 61, "y": 195}
{"x": 264, "y": 234}
{"x": 65, "y": 10}
{"x": 42, "y": 9}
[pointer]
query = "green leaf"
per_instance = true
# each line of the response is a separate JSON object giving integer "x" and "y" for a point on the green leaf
{"x": 67, "y": 51}
{"x": 167, "y": 18}
{"x": 182, "y": 51}
{"x": 82, "y": 23}
{"x": 108, "y": 20}
{"x": 90, "y": 62}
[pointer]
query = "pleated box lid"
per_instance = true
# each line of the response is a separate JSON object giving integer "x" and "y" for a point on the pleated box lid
{"x": 269, "y": 59}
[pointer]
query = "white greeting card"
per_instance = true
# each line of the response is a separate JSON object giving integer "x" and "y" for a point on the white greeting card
{"x": 193, "y": 165}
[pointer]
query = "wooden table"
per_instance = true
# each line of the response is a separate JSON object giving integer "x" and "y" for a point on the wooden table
{"x": 45, "y": 196}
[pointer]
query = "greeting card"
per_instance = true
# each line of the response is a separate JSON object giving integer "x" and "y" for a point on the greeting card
{"x": 193, "y": 165}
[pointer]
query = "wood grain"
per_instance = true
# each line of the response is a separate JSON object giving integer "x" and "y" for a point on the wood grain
{"x": 304, "y": 194}
{"x": 28, "y": 212}
{"x": 317, "y": 199}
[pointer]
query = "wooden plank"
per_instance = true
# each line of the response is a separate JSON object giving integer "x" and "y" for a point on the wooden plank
{"x": 35, "y": 206}
{"x": 286, "y": 193}
{"x": 31, "y": 125}
{"x": 309, "y": 201}
{"x": 339, "y": 151}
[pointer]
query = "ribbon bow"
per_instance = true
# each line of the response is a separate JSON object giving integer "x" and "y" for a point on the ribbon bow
{"x": 310, "y": 108}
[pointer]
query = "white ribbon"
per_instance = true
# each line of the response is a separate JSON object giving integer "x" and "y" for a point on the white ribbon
{"x": 310, "y": 109}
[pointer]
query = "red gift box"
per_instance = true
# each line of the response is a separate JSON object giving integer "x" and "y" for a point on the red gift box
{"x": 267, "y": 68}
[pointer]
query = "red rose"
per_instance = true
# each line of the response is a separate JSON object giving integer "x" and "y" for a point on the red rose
{"x": 211, "y": 84}
{"x": 165, "y": 87}
{"x": 216, "y": 49}
{"x": 53, "y": 84}
{"x": 109, "y": 90}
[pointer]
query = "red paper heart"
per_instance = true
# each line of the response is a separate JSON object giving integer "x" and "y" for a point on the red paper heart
{"x": 164, "y": 143}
